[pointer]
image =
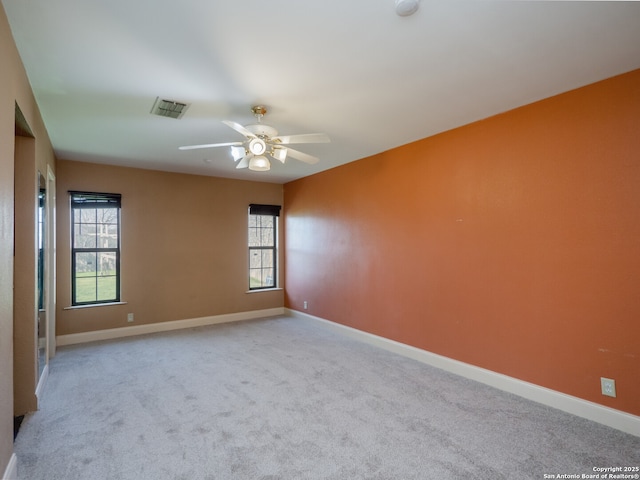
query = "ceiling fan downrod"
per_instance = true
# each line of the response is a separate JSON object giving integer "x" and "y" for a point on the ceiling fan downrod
{"x": 259, "y": 111}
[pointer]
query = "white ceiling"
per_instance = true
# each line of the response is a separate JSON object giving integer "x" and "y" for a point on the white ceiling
{"x": 353, "y": 69}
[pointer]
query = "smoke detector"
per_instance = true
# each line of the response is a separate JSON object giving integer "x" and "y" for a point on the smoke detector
{"x": 404, "y": 8}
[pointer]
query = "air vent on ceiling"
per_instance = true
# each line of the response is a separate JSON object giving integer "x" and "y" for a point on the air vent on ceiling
{"x": 169, "y": 108}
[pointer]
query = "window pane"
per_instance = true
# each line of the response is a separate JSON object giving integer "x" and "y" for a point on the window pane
{"x": 95, "y": 277}
{"x": 254, "y": 279}
{"x": 112, "y": 236}
{"x": 254, "y": 237}
{"x": 84, "y": 215}
{"x": 107, "y": 235}
{"x": 107, "y": 215}
{"x": 86, "y": 264}
{"x": 254, "y": 259}
{"x": 262, "y": 268}
{"x": 261, "y": 258}
{"x": 107, "y": 263}
{"x": 261, "y": 237}
{"x": 266, "y": 237}
{"x": 267, "y": 277}
{"x": 85, "y": 277}
{"x": 84, "y": 235}
{"x": 85, "y": 289}
{"x": 267, "y": 258}
{"x": 106, "y": 288}
{"x": 261, "y": 277}
{"x": 261, "y": 230}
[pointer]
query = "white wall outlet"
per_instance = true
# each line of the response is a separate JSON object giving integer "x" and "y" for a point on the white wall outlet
{"x": 129, "y": 317}
{"x": 608, "y": 386}
{"x": 305, "y": 305}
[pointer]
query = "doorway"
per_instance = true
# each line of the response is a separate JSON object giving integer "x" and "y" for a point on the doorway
{"x": 34, "y": 270}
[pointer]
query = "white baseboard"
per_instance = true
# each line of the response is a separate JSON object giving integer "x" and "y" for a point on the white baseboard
{"x": 42, "y": 382}
{"x": 11, "y": 472}
{"x": 75, "y": 338}
{"x": 582, "y": 408}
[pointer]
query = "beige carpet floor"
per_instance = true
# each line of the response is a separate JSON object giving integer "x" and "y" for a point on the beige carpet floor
{"x": 284, "y": 398}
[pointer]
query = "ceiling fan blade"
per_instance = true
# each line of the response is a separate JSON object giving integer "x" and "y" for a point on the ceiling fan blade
{"x": 303, "y": 157}
{"x": 302, "y": 138}
{"x": 210, "y": 145}
{"x": 244, "y": 162}
{"x": 239, "y": 128}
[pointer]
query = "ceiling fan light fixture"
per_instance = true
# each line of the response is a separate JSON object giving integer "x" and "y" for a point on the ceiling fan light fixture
{"x": 257, "y": 146}
{"x": 237, "y": 153}
{"x": 279, "y": 153}
{"x": 259, "y": 164}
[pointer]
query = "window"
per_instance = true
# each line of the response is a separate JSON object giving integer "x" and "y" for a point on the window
{"x": 95, "y": 248}
{"x": 263, "y": 242}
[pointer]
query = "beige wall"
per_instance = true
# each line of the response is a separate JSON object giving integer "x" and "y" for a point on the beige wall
{"x": 7, "y": 107}
{"x": 14, "y": 88}
{"x": 183, "y": 246}
{"x": 25, "y": 278}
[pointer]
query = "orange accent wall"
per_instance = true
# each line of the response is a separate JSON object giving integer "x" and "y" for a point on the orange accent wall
{"x": 512, "y": 243}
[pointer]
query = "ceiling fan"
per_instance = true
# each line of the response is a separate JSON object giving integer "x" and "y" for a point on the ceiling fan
{"x": 262, "y": 140}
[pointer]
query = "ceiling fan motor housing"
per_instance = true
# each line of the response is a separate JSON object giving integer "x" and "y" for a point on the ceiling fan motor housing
{"x": 262, "y": 131}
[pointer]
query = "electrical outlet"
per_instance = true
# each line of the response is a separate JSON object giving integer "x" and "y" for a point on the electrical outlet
{"x": 608, "y": 386}
{"x": 305, "y": 305}
{"x": 129, "y": 317}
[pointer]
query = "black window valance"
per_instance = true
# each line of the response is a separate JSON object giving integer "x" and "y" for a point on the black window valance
{"x": 94, "y": 200}
{"x": 257, "y": 209}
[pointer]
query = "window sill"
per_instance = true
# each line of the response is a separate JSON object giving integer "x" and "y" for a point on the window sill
{"x": 75, "y": 307}
{"x": 264, "y": 290}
